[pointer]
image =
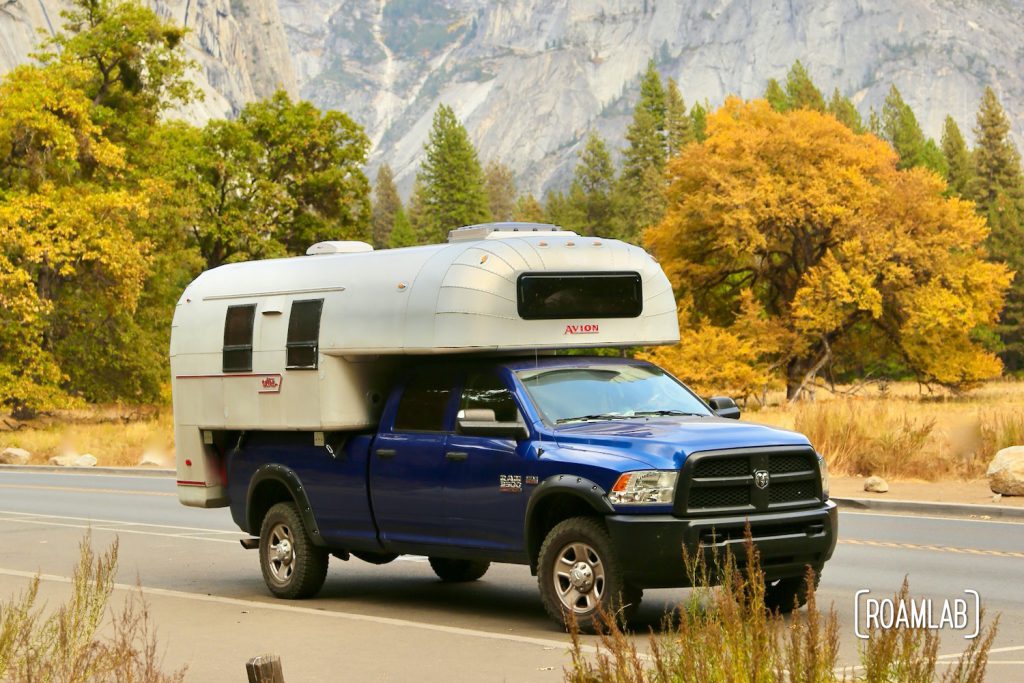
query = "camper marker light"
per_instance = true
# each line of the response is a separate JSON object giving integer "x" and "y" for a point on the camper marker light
{"x": 646, "y": 487}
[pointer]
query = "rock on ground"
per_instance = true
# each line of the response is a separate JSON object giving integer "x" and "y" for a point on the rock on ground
{"x": 14, "y": 456}
{"x": 86, "y": 460}
{"x": 876, "y": 485}
{"x": 153, "y": 459}
{"x": 1006, "y": 472}
{"x": 74, "y": 460}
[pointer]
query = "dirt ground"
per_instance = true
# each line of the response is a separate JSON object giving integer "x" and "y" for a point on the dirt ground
{"x": 974, "y": 492}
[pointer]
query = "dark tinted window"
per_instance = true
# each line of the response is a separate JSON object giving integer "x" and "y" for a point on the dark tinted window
{"x": 238, "y": 338}
{"x": 486, "y": 390}
{"x": 546, "y": 296}
{"x": 423, "y": 404}
{"x": 304, "y": 334}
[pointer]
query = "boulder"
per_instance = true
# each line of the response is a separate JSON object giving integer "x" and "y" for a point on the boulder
{"x": 1006, "y": 472}
{"x": 14, "y": 456}
{"x": 86, "y": 460}
{"x": 66, "y": 460}
{"x": 153, "y": 459}
{"x": 876, "y": 485}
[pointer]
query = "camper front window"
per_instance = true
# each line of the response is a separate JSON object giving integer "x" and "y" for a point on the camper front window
{"x": 238, "y": 338}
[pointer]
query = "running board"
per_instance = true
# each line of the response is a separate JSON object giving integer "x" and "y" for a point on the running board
{"x": 250, "y": 543}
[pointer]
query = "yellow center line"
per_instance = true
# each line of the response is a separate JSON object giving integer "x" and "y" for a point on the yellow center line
{"x": 935, "y": 548}
{"x": 78, "y": 489}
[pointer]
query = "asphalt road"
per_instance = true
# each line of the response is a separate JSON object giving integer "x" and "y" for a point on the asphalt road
{"x": 397, "y": 622}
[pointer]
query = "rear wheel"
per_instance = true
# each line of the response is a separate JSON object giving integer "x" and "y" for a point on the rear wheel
{"x": 458, "y": 571}
{"x": 579, "y": 574}
{"x": 788, "y": 594}
{"x": 292, "y": 566}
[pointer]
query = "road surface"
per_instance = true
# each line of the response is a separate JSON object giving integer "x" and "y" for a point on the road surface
{"x": 398, "y": 622}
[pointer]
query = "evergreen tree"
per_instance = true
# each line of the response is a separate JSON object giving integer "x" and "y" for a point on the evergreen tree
{"x": 699, "y": 116}
{"x": 386, "y": 205}
{"x": 901, "y": 129}
{"x": 643, "y": 160}
{"x": 958, "y": 158}
{"x": 594, "y": 180}
{"x": 998, "y": 189}
{"x": 565, "y": 211}
{"x": 678, "y": 125}
{"x": 844, "y": 111}
{"x": 402, "y": 234}
{"x": 453, "y": 193}
{"x": 501, "y": 190}
{"x": 528, "y": 210}
{"x": 776, "y": 96}
{"x": 801, "y": 93}
{"x": 652, "y": 97}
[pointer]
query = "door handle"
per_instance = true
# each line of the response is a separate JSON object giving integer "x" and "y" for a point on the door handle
{"x": 386, "y": 452}
{"x": 457, "y": 456}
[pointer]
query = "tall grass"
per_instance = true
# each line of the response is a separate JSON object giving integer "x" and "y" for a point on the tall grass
{"x": 726, "y": 635}
{"x": 66, "y": 646}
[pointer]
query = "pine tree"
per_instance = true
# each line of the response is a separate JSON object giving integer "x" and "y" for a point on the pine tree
{"x": 959, "y": 166}
{"x": 386, "y": 205}
{"x": 998, "y": 189}
{"x": 565, "y": 211}
{"x": 699, "y": 116}
{"x": 452, "y": 182}
{"x": 652, "y": 97}
{"x": 594, "y": 180}
{"x": 844, "y": 111}
{"x": 528, "y": 210}
{"x": 901, "y": 129}
{"x": 801, "y": 93}
{"x": 776, "y": 96}
{"x": 678, "y": 124}
{"x": 501, "y": 190}
{"x": 402, "y": 234}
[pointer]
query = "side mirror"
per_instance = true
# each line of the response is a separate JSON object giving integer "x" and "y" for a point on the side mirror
{"x": 724, "y": 407}
{"x": 482, "y": 422}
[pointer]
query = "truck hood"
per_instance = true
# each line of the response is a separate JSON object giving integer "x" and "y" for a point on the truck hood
{"x": 664, "y": 443}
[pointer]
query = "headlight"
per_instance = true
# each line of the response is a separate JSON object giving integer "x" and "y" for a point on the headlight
{"x": 646, "y": 487}
{"x": 823, "y": 468}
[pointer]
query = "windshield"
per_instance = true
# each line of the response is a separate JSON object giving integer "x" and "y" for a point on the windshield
{"x": 607, "y": 392}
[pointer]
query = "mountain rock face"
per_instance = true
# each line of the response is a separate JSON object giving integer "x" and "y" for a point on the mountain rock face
{"x": 530, "y": 78}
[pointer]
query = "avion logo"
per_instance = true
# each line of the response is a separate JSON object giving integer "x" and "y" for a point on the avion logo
{"x": 583, "y": 328}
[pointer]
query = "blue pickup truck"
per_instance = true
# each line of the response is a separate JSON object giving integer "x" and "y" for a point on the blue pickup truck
{"x": 595, "y": 472}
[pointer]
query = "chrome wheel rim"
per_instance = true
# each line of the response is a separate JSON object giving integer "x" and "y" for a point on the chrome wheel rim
{"x": 579, "y": 578}
{"x": 281, "y": 553}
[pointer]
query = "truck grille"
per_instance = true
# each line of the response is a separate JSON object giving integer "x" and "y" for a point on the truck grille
{"x": 723, "y": 482}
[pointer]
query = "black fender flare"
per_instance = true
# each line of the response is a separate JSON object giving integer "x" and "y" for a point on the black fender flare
{"x": 571, "y": 485}
{"x": 290, "y": 480}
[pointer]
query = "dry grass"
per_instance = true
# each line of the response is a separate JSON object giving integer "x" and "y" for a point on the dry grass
{"x": 725, "y": 634}
{"x": 902, "y": 433}
{"x": 66, "y": 645}
{"x": 114, "y": 438}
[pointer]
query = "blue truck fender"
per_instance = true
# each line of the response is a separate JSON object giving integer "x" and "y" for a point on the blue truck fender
{"x": 273, "y": 483}
{"x": 559, "y": 497}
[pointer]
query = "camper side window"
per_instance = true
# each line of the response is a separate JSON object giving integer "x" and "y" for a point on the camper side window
{"x": 304, "y": 334}
{"x": 238, "y": 338}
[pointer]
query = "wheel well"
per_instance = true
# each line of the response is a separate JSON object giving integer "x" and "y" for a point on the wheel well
{"x": 549, "y": 512}
{"x": 267, "y": 494}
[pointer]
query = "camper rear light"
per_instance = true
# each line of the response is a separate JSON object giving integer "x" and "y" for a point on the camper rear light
{"x": 646, "y": 487}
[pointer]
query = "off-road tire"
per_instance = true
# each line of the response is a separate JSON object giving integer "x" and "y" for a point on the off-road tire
{"x": 301, "y": 573}
{"x": 611, "y": 594}
{"x": 785, "y": 595}
{"x": 458, "y": 571}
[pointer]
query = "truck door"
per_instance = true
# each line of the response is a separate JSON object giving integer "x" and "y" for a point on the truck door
{"x": 485, "y": 495}
{"x": 407, "y": 463}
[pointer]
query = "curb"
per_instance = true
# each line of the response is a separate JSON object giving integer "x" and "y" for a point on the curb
{"x": 921, "y": 507}
{"x": 116, "y": 471}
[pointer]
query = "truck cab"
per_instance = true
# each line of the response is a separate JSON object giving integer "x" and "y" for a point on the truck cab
{"x": 417, "y": 402}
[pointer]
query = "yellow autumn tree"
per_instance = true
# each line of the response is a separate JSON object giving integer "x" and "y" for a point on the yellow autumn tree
{"x": 798, "y": 217}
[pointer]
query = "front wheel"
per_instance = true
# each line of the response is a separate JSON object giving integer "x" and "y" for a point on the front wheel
{"x": 292, "y": 566}
{"x": 579, "y": 575}
{"x": 788, "y": 594}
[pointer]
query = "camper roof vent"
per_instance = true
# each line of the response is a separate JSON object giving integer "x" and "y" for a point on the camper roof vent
{"x": 484, "y": 230}
{"x": 339, "y": 248}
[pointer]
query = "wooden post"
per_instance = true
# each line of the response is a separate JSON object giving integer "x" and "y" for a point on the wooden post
{"x": 265, "y": 669}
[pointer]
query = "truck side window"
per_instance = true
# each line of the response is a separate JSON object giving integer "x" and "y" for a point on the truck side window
{"x": 303, "y": 334}
{"x": 486, "y": 390}
{"x": 238, "y": 338}
{"x": 423, "y": 404}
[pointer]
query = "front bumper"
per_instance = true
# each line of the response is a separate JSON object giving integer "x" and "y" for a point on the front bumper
{"x": 650, "y": 548}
